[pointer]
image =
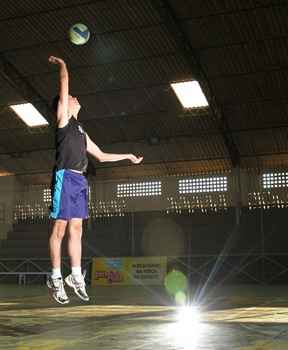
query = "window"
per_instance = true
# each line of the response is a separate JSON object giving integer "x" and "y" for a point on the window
{"x": 274, "y": 180}
{"x": 139, "y": 189}
{"x": 205, "y": 184}
{"x": 47, "y": 195}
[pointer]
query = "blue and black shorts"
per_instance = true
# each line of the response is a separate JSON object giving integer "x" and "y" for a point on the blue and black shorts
{"x": 69, "y": 192}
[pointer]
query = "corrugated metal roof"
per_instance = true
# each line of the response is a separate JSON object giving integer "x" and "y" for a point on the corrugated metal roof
{"x": 262, "y": 142}
{"x": 207, "y": 8}
{"x": 122, "y": 77}
{"x": 260, "y": 86}
{"x": 259, "y": 115}
{"x": 34, "y": 7}
{"x": 237, "y": 27}
{"x": 100, "y": 17}
{"x": 244, "y": 58}
{"x": 7, "y": 93}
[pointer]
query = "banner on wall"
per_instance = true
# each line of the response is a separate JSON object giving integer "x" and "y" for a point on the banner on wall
{"x": 129, "y": 271}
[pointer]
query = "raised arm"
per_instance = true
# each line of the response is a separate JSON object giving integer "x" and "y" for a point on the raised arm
{"x": 96, "y": 152}
{"x": 62, "y": 110}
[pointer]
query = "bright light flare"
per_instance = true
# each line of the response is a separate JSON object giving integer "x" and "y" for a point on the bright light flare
{"x": 188, "y": 315}
{"x": 29, "y": 114}
{"x": 186, "y": 331}
{"x": 190, "y": 94}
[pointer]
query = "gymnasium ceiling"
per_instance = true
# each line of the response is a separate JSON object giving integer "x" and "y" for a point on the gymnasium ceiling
{"x": 237, "y": 49}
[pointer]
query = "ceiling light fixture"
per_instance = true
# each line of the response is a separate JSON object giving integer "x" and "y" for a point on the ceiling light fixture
{"x": 190, "y": 94}
{"x": 29, "y": 114}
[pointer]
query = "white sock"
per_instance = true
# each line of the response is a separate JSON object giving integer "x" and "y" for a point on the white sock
{"x": 56, "y": 273}
{"x": 76, "y": 271}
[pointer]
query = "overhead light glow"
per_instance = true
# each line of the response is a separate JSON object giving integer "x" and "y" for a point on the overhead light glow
{"x": 190, "y": 94}
{"x": 5, "y": 173}
{"x": 29, "y": 114}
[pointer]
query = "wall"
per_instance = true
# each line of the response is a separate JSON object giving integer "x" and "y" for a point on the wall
{"x": 236, "y": 216}
{"x": 8, "y": 191}
{"x": 252, "y": 247}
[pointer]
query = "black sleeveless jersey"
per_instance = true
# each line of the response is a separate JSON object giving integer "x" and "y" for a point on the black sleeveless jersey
{"x": 71, "y": 147}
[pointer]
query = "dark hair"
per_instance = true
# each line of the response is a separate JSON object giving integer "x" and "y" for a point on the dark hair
{"x": 55, "y": 103}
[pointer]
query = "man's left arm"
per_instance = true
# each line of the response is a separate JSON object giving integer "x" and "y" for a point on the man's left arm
{"x": 101, "y": 156}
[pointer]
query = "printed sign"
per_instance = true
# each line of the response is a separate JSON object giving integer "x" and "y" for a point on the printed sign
{"x": 129, "y": 271}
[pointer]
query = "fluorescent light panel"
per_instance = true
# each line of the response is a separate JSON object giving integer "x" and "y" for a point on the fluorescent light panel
{"x": 190, "y": 94}
{"x": 29, "y": 114}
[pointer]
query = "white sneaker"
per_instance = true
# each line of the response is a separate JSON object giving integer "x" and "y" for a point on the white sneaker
{"x": 79, "y": 286}
{"x": 57, "y": 290}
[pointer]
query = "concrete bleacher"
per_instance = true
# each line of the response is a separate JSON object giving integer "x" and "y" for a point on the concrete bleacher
{"x": 24, "y": 254}
{"x": 31, "y": 241}
{"x": 25, "y": 240}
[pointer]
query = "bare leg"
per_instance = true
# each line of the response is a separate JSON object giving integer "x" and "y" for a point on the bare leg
{"x": 74, "y": 241}
{"x": 55, "y": 240}
{"x": 55, "y": 282}
{"x": 76, "y": 280}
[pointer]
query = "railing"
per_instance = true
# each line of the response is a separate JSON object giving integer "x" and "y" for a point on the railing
{"x": 33, "y": 269}
{"x": 215, "y": 268}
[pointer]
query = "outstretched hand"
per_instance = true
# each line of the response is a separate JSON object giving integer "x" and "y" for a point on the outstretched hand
{"x": 135, "y": 160}
{"x": 55, "y": 60}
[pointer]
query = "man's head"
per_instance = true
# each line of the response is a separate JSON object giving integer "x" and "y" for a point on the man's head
{"x": 73, "y": 105}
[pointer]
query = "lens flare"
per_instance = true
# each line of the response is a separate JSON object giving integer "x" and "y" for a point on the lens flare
{"x": 186, "y": 331}
{"x": 188, "y": 315}
{"x": 175, "y": 282}
{"x": 180, "y": 298}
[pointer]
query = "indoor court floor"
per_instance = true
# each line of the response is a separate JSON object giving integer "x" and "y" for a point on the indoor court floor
{"x": 239, "y": 317}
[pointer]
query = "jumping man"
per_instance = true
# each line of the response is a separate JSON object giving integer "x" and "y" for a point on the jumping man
{"x": 70, "y": 189}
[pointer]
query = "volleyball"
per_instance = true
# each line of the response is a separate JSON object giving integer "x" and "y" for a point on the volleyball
{"x": 79, "y": 34}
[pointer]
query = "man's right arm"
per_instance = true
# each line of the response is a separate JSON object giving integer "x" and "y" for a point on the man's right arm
{"x": 62, "y": 110}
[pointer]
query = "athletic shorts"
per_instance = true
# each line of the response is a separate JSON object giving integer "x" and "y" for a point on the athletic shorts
{"x": 69, "y": 194}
